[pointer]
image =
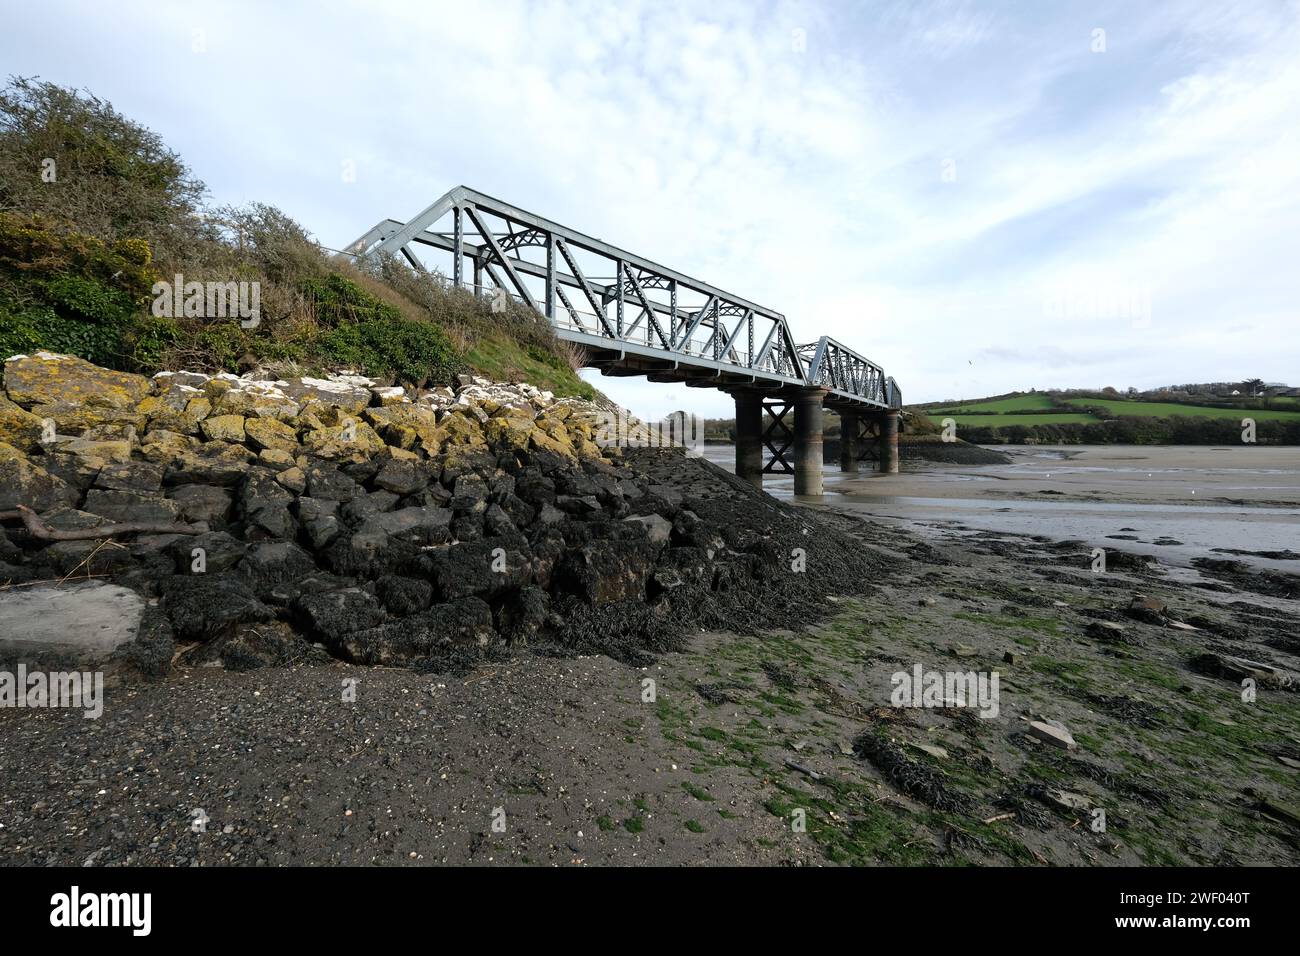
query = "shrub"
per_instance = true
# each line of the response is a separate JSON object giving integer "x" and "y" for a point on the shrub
{"x": 415, "y": 352}
{"x": 112, "y": 177}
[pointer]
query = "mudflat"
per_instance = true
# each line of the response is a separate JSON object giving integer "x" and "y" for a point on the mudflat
{"x": 1156, "y": 474}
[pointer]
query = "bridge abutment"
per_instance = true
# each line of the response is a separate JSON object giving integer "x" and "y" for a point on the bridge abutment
{"x": 808, "y": 440}
{"x": 749, "y": 436}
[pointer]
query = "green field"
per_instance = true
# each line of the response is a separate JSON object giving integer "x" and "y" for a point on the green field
{"x": 999, "y": 421}
{"x": 1017, "y": 404}
{"x": 1120, "y": 408}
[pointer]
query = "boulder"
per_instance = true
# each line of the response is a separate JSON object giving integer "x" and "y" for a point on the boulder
{"x": 271, "y": 433}
{"x": 63, "y": 382}
{"x": 440, "y": 631}
{"x": 403, "y": 477}
{"x": 129, "y": 506}
{"x": 18, "y": 427}
{"x": 86, "y": 621}
{"x": 214, "y": 463}
{"x": 603, "y": 571}
{"x": 1052, "y": 732}
{"x": 204, "y": 606}
{"x": 404, "y": 596}
{"x": 24, "y": 483}
{"x": 203, "y": 503}
{"x": 332, "y": 615}
{"x": 138, "y": 477}
{"x": 269, "y": 564}
{"x": 223, "y": 428}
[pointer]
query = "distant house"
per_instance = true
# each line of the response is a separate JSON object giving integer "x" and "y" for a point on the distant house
{"x": 1273, "y": 389}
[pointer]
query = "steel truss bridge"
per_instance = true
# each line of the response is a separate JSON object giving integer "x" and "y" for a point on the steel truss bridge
{"x": 633, "y": 316}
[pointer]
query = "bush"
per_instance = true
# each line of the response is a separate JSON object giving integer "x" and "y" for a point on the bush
{"x": 414, "y": 352}
{"x": 111, "y": 177}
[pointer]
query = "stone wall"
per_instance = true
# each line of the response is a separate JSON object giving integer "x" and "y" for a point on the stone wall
{"x": 295, "y": 521}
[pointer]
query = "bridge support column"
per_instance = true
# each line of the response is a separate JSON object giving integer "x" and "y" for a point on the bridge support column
{"x": 749, "y": 436}
{"x": 849, "y": 426}
{"x": 808, "y": 441}
{"x": 888, "y": 461}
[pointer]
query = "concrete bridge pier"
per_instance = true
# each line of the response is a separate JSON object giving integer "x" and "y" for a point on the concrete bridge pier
{"x": 850, "y": 426}
{"x": 888, "y": 461}
{"x": 808, "y": 440}
{"x": 749, "y": 435}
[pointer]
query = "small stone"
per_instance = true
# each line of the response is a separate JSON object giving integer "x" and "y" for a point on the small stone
{"x": 964, "y": 650}
{"x": 1053, "y": 733}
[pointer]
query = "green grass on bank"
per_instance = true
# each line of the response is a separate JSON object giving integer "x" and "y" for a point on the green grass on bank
{"x": 998, "y": 421}
{"x": 1016, "y": 404}
{"x": 1122, "y": 407}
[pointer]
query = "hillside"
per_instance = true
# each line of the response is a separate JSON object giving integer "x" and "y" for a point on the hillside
{"x": 1097, "y": 418}
{"x": 100, "y": 221}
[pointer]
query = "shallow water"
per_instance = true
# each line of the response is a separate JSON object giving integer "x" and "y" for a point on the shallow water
{"x": 969, "y": 501}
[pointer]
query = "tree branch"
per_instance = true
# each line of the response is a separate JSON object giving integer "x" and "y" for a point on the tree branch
{"x": 40, "y": 530}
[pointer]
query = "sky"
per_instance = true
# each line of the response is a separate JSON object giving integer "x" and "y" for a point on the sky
{"x": 980, "y": 197}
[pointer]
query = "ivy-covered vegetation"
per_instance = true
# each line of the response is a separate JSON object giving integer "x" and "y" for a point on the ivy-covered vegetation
{"x": 96, "y": 211}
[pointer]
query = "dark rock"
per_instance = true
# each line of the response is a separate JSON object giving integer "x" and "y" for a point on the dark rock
{"x": 417, "y": 525}
{"x": 475, "y": 568}
{"x": 221, "y": 552}
{"x": 204, "y": 606}
{"x": 271, "y": 563}
{"x": 154, "y": 646}
{"x": 403, "y": 477}
{"x": 496, "y": 523}
{"x": 251, "y": 646}
{"x": 335, "y": 614}
{"x": 606, "y": 571}
{"x": 520, "y": 512}
{"x": 658, "y": 528}
{"x": 326, "y": 481}
{"x": 128, "y": 506}
{"x": 436, "y": 633}
{"x": 469, "y": 494}
{"x": 23, "y": 483}
{"x": 140, "y": 477}
{"x": 523, "y": 614}
{"x": 203, "y": 503}
{"x": 536, "y": 489}
{"x": 467, "y": 528}
{"x": 366, "y": 506}
{"x": 216, "y": 463}
{"x": 317, "y": 516}
{"x": 577, "y": 506}
{"x": 404, "y": 596}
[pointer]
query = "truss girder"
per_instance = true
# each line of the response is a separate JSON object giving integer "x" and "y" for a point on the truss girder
{"x": 725, "y": 334}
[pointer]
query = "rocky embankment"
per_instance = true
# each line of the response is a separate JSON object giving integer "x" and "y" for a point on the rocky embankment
{"x": 272, "y": 522}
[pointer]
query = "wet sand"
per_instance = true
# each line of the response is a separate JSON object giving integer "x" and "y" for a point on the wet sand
{"x": 1179, "y": 474}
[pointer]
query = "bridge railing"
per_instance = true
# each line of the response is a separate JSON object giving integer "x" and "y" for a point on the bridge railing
{"x": 639, "y": 305}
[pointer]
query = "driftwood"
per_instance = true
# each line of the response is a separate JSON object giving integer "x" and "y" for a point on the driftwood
{"x": 39, "y": 529}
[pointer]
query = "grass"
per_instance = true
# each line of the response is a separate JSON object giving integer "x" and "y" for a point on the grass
{"x": 1000, "y": 421}
{"x": 1017, "y": 404}
{"x": 1121, "y": 408}
{"x": 503, "y": 359}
